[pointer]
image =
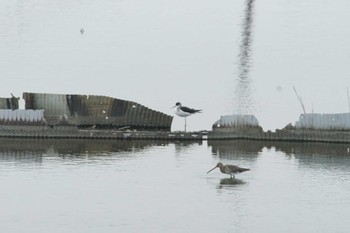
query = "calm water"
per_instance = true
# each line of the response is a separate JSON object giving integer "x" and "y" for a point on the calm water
{"x": 145, "y": 186}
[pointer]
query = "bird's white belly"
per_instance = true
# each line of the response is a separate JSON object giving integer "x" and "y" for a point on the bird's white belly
{"x": 182, "y": 114}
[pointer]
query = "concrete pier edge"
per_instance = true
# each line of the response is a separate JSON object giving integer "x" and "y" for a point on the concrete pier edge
{"x": 66, "y": 132}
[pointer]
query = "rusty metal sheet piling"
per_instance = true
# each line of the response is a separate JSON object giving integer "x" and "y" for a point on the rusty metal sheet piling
{"x": 98, "y": 111}
{"x": 9, "y": 103}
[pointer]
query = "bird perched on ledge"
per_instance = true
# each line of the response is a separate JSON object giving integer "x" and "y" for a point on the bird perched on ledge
{"x": 229, "y": 169}
{"x": 183, "y": 111}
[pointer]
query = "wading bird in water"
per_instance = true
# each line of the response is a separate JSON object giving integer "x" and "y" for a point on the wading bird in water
{"x": 229, "y": 169}
{"x": 183, "y": 111}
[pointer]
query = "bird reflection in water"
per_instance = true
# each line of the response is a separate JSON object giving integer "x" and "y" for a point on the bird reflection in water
{"x": 231, "y": 181}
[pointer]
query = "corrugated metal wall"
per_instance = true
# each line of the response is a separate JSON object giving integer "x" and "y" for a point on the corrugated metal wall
{"x": 103, "y": 111}
{"x": 9, "y": 103}
{"x": 339, "y": 121}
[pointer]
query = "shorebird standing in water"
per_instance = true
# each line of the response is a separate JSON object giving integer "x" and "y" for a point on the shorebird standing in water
{"x": 183, "y": 111}
{"x": 229, "y": 169}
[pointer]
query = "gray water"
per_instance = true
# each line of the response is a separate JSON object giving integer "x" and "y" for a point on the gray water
{"x": 146, "y": 186}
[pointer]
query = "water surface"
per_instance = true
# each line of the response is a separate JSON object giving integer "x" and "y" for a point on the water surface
{"x": 147, "y": 186}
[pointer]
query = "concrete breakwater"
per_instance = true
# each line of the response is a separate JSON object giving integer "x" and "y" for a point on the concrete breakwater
{"x": 283, "y": 135}
{"x": 44, "y": 131}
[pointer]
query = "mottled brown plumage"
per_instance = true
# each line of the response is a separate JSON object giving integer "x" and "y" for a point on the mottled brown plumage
{"x": 229, "y": 169}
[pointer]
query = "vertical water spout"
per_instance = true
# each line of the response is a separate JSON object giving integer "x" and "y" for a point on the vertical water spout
{"x": 244, "y": 102}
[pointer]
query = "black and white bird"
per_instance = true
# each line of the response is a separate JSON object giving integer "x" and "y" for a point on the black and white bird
{"x": 183, "y": 111}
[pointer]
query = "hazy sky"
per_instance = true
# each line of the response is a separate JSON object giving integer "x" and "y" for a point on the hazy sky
{"x": 159, "y": 52}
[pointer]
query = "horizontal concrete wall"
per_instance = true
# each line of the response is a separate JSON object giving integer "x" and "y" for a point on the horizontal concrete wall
{"x": 46, "y": 131}
{"x": 284, "y": 135}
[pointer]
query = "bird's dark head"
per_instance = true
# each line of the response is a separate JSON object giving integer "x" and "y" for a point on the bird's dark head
{"x": 219, "y": 164}
{"x": 178, "y": 104}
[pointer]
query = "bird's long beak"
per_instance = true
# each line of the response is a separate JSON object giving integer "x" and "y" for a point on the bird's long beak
{"x": 173, "y": 107}
{"x": 212, "y": 169}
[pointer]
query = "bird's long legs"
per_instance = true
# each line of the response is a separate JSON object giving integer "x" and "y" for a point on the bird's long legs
{"x": 185, "y": 123}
